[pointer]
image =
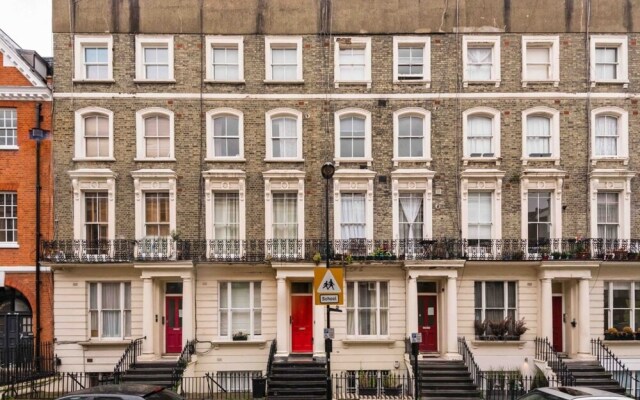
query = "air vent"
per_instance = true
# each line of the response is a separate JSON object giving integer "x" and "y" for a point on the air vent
{"x": 382, "y": 103}
{"x": 382, "y": 179}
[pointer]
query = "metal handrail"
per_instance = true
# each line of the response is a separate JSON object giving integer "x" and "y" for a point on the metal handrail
{"x": 272, "y": 354}
{"x": 184, "y": 360}
{"x": 130, "y": 355}
{"x": 468, "y": 359}
{"x": 612, "y": 364}
{"x": 545, "y": 352}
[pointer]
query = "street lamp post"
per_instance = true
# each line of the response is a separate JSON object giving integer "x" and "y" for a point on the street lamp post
{"x": 328, "y": 169}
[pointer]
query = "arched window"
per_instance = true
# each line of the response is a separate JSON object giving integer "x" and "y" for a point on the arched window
{"x": 284, "y": 135}
{"x": 155, "y": 136}
{"x": 412, "y": 142}
{"x": 540, "y": 134}
{"x": 225, "y": 136}
{"x": 353, "y": 135}
{"x": 94, "y": 134}
{"x": 609, "y": 133}
{"x": 481, "y": 130}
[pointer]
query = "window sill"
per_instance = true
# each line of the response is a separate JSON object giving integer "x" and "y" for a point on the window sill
{"x": 417, "y": 82}
{"x": 260, "y": 343}
{"x": 596, "y": 160}
{"x": 9, "y": 245}
{"x": 505, "y": 343}
{"x": 241, "y": 82}
{"x": 294, "y": 82}
{"x": 289, "y": 160}
{"x": 495, "y": 83}
{"x": 339, "y": 160}
{"x": 94, "y": 81}
{"x": 398, "y": 160}
{"x": 467, "y": 160}
{"x": 624, "y": 83}
{"x": 364, "y": 342}
{"x": 93, "y": 159}
{"x": 620, "y": 341}
{"x": 220, "y": 159}
{"x": 154, "y": 159}
{"x": 526, "y": 160}
{"x": 154, "y": 81}
{"x": 553, "y": 82}
{"x": 104, "y": 343}
{"x": 353, "y": 83}
{"x": 9, "y": 148}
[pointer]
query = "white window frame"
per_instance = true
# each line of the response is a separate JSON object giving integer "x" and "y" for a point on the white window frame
{"x": 367, "y": 135}
{"x": 288, "y": 42}
{"x": 82, "y": 41}
{"x": 80, "y": 145}
{"x": 482, "y": 41}
{"x": 13, "y": 244}
{"x": 353, "y": 181}
{"x": 619, "y": 41}
{"x": 413, "y": 181}
{"x": 229, "y": 41}
{"x": 354, "y": 41}
{"x": 14, "y": 146}
{"x": 224, "y": 181}
{"x": 283, "y": 112}
{"x": 153, "y": 180}
{"x": 163, "y": 41}
{"x": 483, "y": 180}
{"x": 553, "y": 44}
{"x": 554, "y": 126}
{"x": 417, "y": 41}
{"x": 495, "y": 130}
{"x": 93, "y": 180}
{"x": 100, "y": 310}
{"x": 483, "y": 311}
{"x": 140, "y": 139}
{"x": 280, "y": 180}
{"x": 547, "y": 180}
{"x": 608, "y": 180}
{"x": 378, "y": 307}
{"x": 211, "y": 114}
{"x": 623, "y": 133}
{"x": 608, "y": 291}
{"x": 252, "y": 309}
{"x": 426, "y": 134}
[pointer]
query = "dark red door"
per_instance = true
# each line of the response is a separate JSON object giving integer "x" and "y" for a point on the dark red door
{"x": 302, "y": 324}
{"x": 173, "y": 327}
{"x": 428, "y": 322}
{"x": 557, "y": 323}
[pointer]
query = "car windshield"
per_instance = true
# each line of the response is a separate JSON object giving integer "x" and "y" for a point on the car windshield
{"x": 535, "y": 395}
{"x": 163, "y": 395}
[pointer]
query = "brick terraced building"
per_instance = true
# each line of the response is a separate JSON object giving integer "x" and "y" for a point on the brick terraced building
{"x": 485, "y": 171}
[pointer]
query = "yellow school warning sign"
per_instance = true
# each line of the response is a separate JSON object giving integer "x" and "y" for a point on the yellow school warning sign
{"x": 328, "y": 285}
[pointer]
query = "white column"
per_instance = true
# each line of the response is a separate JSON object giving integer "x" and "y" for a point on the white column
{"x": 319, "y": 322}
{"x": 148, "y": 316}
{"x": 584, "y": 323}
{"x": 546, "y": 309}
{"x": 187, "y": 310}
{"x": 452, "y": 319}
{"x": 283, "y": 326}
{"x": 411, "y": 321}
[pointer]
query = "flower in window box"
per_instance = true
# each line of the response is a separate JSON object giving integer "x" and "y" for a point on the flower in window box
{"x": 627, "y": 333}
{"x": 240, "y": 336}
{"x": 611, "y": 334}
{"x": 317, "y": 258}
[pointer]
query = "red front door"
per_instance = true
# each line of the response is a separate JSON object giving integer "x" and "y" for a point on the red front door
{"x": 302, "y": 324}
{"x": 173, "y": 326}
{"x": 557, "y": 323}
{"x": 428, "y": 322}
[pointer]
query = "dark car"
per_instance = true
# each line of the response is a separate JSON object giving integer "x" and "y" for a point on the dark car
{"x": 123, "y": 391}
{"x": 571, "y": 393}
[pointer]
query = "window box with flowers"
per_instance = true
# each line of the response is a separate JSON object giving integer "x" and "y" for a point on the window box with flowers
{"x": 626, "y": 333}
{"x": 502, "y": 330}
{"x": 240, "y": 336}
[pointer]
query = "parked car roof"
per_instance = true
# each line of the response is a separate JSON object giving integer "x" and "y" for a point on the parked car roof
{"x": 570, "y": 393}
{"x": 125, "y": 389}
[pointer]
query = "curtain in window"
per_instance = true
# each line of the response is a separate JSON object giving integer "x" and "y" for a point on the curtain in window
{"x": 479, "y": 135}
{"x": 538, "y": 135}
{"x": 410, "y": 216}
{"x": 384, "y": 308}
{"x": 240, "y": 307}
{"x": 224, "y": 309}
{"x": 284, "y": 137}
{"x": 353, "y": 216}
{"x": 111, "y": 310}
{"x": 608, "y": 216}
{"x": 352, "y": 64}
{"x": 225, "y": 64}
{"x": 156, "y": 132}
{"x": 226, "y": 216}
{"x": 257, "y": 308}
{"x": 226, "y": 138}
{"x": 127, "y": 309}
{"x": 606, "y": 136}
{"x": 284, "y": 64}
{"x": 479, "y": 63}
{"x": 606, "y": 63}
{"x": 479, "y": 215}
{"x": 621, "y": 304}
{"x": 96, "y": 136}
{"x": 367, "y": 308}
{"x": 410, "y": 136}
{"x": 93, "y": 310}
{"x": 351, "y": 321}
{"x": 494, "y": 301}
{"x": 285, "y": 216}
{"x": 538, "y": 63}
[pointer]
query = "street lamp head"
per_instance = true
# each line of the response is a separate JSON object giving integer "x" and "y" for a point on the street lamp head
{"x": 328, "y": 169}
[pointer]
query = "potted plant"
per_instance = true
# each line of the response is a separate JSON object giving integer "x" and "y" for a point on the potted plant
{"x": 517, "y": 328}
{"x": 556, "y": 255}
{"x": 611, "y": 334}
{"x": 637, "y": 336}
{"x": 499, "y": 328}
{"x": 317, "y": 258}
{"x": 367, "y": 383}
{"x": 237, "y": 336}
{"x": 391, "y": 385}
{"x": 480, "y": 328}
{"x": 627, "y": 333}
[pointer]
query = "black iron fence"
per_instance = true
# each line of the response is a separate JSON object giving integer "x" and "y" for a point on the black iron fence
{"x": 545, "y": 352}
{"x": 612, "y": 364}
{"x": 129, "y": 357}
{"x": 166, "y": 249}
{"x": 22, "y": 362}
{"x": 372, "y": 384}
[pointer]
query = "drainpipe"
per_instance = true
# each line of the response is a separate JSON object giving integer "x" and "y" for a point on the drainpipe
{"x": 37, "y": 283}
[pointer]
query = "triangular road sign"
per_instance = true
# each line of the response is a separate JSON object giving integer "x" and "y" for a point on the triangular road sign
{"x": 329, "y": 284}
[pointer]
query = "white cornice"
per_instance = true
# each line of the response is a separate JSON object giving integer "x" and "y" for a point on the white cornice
{"x": 24, "y": 93}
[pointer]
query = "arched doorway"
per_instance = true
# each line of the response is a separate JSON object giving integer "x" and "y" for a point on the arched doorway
{"x": 16, "y": 322}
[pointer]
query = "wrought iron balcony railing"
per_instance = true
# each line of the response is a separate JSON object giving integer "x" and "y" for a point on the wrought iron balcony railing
{"x": 289, "y": 250}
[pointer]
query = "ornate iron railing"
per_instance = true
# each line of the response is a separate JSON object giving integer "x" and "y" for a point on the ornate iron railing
{"x": 272, "y": 354}
{"x": 129, "y": 357}
{"x": 470, "y": 362}
{"x": 184, "y": 360}
{"x": 612, "y": 364}
{"x": 545, "y": 352}
{"x": 351, "y": 250}
{"x": 21, "y": 362}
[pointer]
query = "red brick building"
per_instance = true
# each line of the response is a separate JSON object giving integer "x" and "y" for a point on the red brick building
{"x": 25, "y": 102}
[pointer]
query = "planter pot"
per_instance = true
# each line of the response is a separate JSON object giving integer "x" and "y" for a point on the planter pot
{"x": 239, "y": 338}
{"x": 392, "y": 391}
{"x": 368, "y": 391}
{"x": 611, "y": 336}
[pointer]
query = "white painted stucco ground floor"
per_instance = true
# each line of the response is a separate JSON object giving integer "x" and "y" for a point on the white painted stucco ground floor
{"x": 100, "y": 308}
